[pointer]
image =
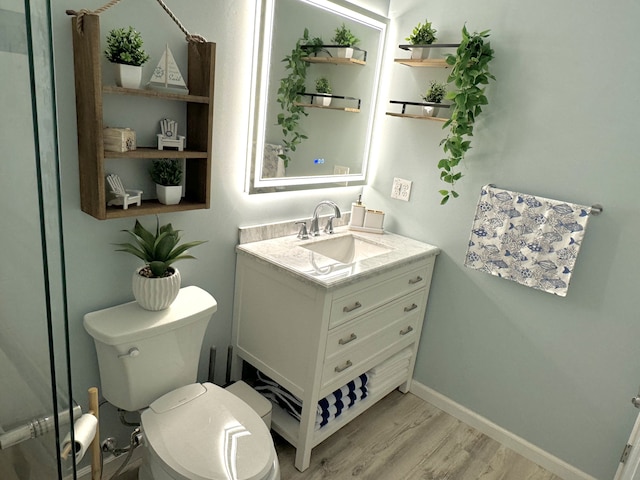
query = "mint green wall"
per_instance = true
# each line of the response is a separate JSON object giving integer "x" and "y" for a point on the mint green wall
{"x": 97, "y": 276}
{"x": 557, "y": 372}
{"x": 562, "y": 123}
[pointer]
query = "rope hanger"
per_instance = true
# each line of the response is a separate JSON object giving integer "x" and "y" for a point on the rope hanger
{"x": 188, "y": 36}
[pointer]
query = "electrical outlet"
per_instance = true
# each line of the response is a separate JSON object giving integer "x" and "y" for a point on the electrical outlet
{"x": 401, "y": 189}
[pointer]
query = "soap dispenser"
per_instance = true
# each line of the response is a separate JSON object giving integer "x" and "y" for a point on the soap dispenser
{"x": 358, "y": 210}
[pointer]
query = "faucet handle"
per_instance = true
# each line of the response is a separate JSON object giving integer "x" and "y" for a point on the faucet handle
{"x": 328, "y": 228}
{"x": 302, "y": 233}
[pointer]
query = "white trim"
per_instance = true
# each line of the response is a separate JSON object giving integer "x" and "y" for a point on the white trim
{"x": 517, "y": 444}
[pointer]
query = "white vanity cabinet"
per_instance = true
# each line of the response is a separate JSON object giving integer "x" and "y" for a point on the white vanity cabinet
{"x": 312, "y": 338}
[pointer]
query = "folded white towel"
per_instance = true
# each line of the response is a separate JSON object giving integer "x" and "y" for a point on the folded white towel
{"x": 381, "y": 387}
{"x": 391, "y": 362}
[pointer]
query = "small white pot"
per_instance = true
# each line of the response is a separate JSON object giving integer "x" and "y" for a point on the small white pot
{"x": 420, "y": 53}
{"x": 324, "y": 101}
{"x": 169, "y": 195}
{"x": 155, "y": 293}
{"x": 430, "y": 111}
{"x": 128, "y": 76}
{"x": 345, "y": 52}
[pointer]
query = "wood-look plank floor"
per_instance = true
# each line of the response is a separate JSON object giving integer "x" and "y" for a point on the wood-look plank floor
{"x": 404, "y": 438}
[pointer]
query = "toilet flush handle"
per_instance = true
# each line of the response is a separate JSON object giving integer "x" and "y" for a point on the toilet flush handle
{"x": 133, "y": 352}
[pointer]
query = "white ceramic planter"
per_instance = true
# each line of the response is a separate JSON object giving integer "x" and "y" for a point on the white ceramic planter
{"x": 169, "y": 195}
{"x": 430, "y": 111}
{"x": 128, "y": 76}
{"x": 155, "y": 293}
{"x": 324, "y": 101}
{"x": 345, "y": 52}
{"x": 420, "y": 53}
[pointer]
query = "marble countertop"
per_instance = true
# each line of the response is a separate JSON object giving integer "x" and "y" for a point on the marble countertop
{"x": 289, "y": 254}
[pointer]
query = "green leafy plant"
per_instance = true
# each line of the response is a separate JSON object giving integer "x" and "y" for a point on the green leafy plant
{"x": 323, "y": 85}
{"x": 435, "y": 93}
{"x": 289, "y": 96}
{"x": 315, "y": 45}
{"x": 423, "y": 34}
{"x": 125, "y": 46}
{"x": 166, "y": 171}
{"x": 344, "y": 37}
{"x": 469, "y": 73}
{"x": 158, "y": 250}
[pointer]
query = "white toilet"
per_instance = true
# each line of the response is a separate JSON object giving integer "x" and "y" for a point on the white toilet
{"x": 191, "y": 431}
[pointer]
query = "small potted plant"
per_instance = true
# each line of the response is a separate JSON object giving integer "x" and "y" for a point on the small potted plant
{"x": 345, "y": 39}
{"x": 422, "y": 34}
{"x": 435, "y": 94}
{"x": 167, "y": 174}
{"x": 157, "y": 283}
{"x": 124, "y": 49}
{"x": 323, "y": 86}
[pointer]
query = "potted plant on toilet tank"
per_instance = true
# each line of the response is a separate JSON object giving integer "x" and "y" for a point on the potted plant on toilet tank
{"x": 124, "y": 49}
{"x": 157, "y": 283}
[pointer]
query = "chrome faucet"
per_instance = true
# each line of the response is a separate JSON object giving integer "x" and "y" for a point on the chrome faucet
{"x": 314, "y": 231}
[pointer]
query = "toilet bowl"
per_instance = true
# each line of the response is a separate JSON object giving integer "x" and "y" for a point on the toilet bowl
{"x": 148, "y": 362}
{"x": 202, "y": 431}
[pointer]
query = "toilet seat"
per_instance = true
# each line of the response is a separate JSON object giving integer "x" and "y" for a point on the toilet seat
{"x": 203, "y": 432}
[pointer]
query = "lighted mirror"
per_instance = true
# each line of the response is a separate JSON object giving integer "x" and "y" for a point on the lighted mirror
{"x": 338, "y": 143}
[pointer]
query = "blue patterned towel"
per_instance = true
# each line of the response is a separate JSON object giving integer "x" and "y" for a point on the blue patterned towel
{"x": 531, "y": 240}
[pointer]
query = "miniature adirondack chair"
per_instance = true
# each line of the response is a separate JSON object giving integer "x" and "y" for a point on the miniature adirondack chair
{"x": 169, "y": 136}
{"x": 121, "y": 196}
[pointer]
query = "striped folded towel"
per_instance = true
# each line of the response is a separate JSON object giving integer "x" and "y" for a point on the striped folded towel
{"x": 327, "y": 409}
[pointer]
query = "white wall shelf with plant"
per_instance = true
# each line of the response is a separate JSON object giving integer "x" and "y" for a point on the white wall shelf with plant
{"x": 90, "y": 94}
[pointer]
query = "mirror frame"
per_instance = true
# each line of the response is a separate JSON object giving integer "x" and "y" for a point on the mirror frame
{"x": 260, "y": 69}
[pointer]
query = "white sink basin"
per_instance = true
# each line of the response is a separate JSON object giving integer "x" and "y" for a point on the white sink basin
{"x": 347, "y": 248}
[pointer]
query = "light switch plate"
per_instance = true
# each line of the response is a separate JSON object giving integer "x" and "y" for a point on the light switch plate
{"x": 401, "y": 189}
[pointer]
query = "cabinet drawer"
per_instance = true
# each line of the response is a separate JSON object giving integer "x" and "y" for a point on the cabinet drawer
{"x": 342, "y": 367}
{"x": 355, "y": 303}
{"x": 360, "y": 330}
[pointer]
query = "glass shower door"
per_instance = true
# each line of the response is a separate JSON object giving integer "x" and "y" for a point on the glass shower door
{"x": 34, "y": 372}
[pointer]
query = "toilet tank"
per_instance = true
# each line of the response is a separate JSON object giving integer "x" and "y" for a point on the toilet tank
{"x": 143, "y": 354}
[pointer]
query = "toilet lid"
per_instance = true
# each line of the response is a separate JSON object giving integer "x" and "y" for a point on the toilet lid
{"x": 203, "y": 432}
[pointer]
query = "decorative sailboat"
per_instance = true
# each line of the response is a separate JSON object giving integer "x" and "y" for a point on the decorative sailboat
{"x": 167, "y": 77}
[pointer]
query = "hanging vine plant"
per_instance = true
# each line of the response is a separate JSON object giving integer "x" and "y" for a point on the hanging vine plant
{"x": 469, "y": 74}
{"x": 289, "y": 96}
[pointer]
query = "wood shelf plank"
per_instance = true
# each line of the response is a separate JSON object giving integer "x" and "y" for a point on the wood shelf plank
{"x": 417, "y": 117}
{"x": 344, "y": 109}
{"x": 150, "y": 152}
{"x": 152, "y": 207}
{"x": 335, "y": 60}
{"x": 141, "y": 92}
{"x": 426, "y": 62}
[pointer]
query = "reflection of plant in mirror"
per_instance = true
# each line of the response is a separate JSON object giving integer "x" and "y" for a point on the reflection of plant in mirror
{"x": 469, "y": 70}
{"x": 289, "y": 96}
{"x": 344, "y": 37}
{"x": 316, "y": 45}
{"x": 435, "y": 93}
{"x": 323, "y": 85}
{"x": 422, "y": 34}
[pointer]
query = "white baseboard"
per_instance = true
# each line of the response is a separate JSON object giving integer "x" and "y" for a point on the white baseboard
{"x": 519, "y": 445}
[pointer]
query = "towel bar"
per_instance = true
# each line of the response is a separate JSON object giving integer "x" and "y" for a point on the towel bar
{"x": 596, "y": 208}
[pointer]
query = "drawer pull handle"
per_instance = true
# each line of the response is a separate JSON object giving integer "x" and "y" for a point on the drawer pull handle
{"x": 413, "y": 281}
{"x": 351, "y": 309}
{"x": 412, "y": 307}
{"x": 409, "y": 329}
{"x": 342, "y": 368}
{"x": 351, "y": 338}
